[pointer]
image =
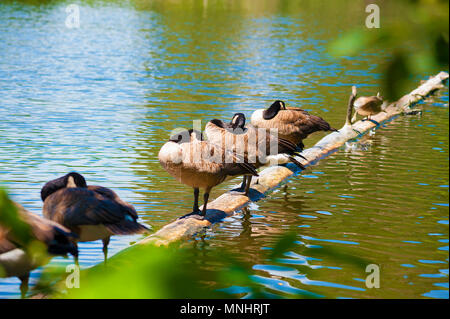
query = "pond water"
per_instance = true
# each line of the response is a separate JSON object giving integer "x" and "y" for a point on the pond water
{"x": 102, "y": 99}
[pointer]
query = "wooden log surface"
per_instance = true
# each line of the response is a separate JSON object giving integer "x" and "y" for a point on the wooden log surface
{"x": 271, "y": 177}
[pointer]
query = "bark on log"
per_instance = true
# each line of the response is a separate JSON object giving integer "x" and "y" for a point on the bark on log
{"x": 271, "y": 177}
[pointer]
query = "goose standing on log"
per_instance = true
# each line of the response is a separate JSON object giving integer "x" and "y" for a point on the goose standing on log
{"x": 17, "y": 260}
{"x": 367, "y": 106}
{"x": 200, "y": 164}
{"x": 92, "y": 212}
{"x": 254, "y": 145}
{"x": 292, "y": 123}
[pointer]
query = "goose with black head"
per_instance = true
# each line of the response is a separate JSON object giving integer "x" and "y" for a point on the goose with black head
{"x": 292, "y": 123}
{"x": 200, "y": 164}
{"x": 92, "y": 212}
{"x": 257, "y": 146}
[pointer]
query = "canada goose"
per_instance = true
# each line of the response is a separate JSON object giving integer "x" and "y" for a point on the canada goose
{"x": 292, "y": 123}
{"x": 17, "y": 261}
{"x": 200, "y": 164}
{"x": 255, "y": 145}
{"x": 92, "y": 212}
{"x": 367, "y": 106}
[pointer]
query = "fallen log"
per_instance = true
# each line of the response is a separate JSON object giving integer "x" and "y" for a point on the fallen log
{"x": 271, "y": 177}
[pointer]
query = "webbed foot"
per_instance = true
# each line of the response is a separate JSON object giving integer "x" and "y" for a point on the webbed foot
{"x": 197, "y": 215}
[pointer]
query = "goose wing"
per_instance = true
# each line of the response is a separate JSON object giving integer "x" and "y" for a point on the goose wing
{"x": 206, "y": 156}
{"x": 43, "y": 229}
{"x": 81, "y": 206}
{"x": 371, "y": 103}
{"x": 55, "y": 236}
{"x": 252, "y": 145}
{"x": 5, "y": 244}
{"x": 94, "y": 206}
{"x": 284, "y": 147}
{"x": 294, "y": 116}
{"x": 110, "y": 194}
{"x": 242, "y": 163}
{"x": 305, "y": 122}
{"x": 231, "y": 159}
{"x": 269, "y": 139}
{"x": 286, "y": 121}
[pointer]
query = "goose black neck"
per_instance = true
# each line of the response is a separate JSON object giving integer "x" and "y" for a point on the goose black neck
{"x": 238, "y": 121}
{"x": 185, "y": 136}
{"x": 273, "y": 110}
{"x": 61, "y": 182}
{"x": 218, "y": 123}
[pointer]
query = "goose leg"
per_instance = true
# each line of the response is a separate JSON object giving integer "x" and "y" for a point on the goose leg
{"x": 76, "y": 257}
{"x": 195, "y": 208}
{"x": 24, "y": 285}
{"x": 244, "y": 180}
{"x": 105, "y": 248}
{"x": 247, "y": 185}
{"x": 196, "y": 211}
{"x": 205, "y": 201}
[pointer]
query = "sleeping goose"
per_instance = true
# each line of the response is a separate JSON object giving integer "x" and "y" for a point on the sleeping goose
{"x": 367, "y": 106}
{"x": 92, "y": 212}
{"x": 292, "y": 123}
{"x": 258, "y": 146}
{"x": 200, "y": 164}
{"x": 17, "y": 261}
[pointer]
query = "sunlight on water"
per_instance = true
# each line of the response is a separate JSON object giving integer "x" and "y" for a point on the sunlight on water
{"x": 102, "y": 99}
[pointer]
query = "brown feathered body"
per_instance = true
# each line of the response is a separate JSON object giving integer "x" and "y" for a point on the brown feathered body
{"x": 200, "y": 164}
{"x": 368, "y": 105}
{"x": 255, "y": 145}
{"x": 292, "y": 123}
{"x": 92, "y": 212}
{"x": 16, "y": 261}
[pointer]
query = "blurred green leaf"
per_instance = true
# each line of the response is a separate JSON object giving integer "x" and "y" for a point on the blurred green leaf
{"x": 349, "y": 43}
{"x": 10, "y": 219}
{"x": 284, "y": 244}
{"x": 146, "y": 272}
{"x": 338, "y": 255}
{"x": 419, "y": 40}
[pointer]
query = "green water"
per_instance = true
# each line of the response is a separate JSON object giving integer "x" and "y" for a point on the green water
{"x": 102, "y": 99}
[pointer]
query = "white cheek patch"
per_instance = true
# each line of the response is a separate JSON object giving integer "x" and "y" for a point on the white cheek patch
{"x": 70, "y": 182}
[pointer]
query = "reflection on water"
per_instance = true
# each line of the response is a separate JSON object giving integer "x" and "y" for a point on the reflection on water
{"x": 388, "y": 205}
{"x": 102, "y": 100}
